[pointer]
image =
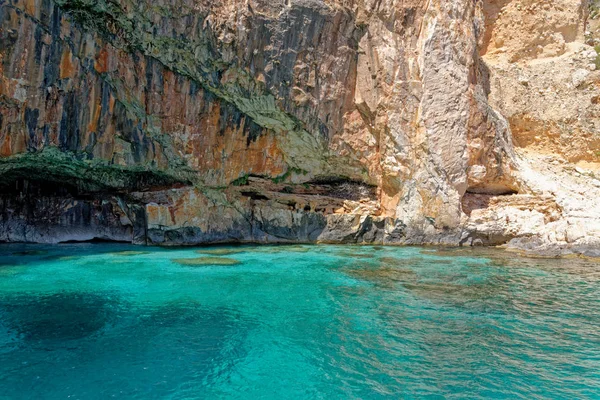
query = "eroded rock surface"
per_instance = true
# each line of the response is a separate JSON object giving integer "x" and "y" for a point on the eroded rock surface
{"x": 363, "y": 121}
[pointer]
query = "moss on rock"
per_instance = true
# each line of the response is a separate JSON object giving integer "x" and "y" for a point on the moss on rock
{"x": 52, "y": 165}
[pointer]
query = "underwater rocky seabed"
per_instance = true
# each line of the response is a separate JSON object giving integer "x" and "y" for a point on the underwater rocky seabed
{"x": 111, "y": 320}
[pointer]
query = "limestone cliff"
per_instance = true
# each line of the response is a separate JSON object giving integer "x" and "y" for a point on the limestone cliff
{"x": 361, "y": 121}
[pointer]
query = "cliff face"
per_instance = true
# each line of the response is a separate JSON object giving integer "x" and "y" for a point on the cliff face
{"x": 192, "y": 121}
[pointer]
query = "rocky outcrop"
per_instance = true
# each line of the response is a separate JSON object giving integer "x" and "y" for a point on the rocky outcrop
{"x": 544, "y": 80}
{"x": 544, "y": 76}
{"x": 362, "y": 121}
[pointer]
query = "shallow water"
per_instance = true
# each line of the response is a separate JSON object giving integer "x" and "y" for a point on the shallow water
{"x": 97, "y": 321}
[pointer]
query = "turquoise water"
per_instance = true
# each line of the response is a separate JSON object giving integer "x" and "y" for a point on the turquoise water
{"x": 302, "y": 322}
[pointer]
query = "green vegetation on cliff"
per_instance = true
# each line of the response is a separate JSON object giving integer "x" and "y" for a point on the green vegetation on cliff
{"x": 53, "y": 165}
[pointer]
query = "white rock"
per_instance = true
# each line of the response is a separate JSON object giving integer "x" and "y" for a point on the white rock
{"x": 477, "y": 172}
{"x": 590, "y": 54}
{"x": 579, "y": 77}
{"x": 575, "y": 232}
{"x": 523, "y": 80}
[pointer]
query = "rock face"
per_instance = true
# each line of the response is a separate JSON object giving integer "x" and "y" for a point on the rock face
{"x": 362, "y": 121}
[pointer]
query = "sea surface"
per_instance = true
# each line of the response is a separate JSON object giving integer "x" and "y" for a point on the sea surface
{"x": 100, "y": 321}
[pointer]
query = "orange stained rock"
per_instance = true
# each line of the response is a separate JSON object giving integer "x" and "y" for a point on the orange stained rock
{"x": 30, "y": 7}
{"x": 67, "y": 67}
{"x": 180, "y": 204}
{"x": 101, "y": 63}
{"x": 111, "y": 104}
{"x": 96, "y": 109}
{"x": 5, "y": 149}
{"x": 153, "y": 213}
{"x": 18, "y": 144}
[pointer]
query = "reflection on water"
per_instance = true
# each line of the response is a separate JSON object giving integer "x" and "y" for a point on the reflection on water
{"x": 99, "y": 321}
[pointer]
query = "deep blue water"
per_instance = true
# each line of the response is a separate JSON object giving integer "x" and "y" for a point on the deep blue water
{"x": 302, "y": 322}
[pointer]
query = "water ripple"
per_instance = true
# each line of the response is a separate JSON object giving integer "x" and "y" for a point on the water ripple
{"x": 300, "y": 322}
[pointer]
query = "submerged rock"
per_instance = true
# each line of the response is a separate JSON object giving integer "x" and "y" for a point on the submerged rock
{"x": 207, "y": 261}
{"x": 354, "y": 254}
{"x": 130, "y": 253}
{"x": 68, "y": 258}
{"x": 220, "y": 252}
{"x": 279, "y": 249}
{"x": 57, "y": 317}
{"x": 30, "y": 253}
{"x": 387, "y": 276}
